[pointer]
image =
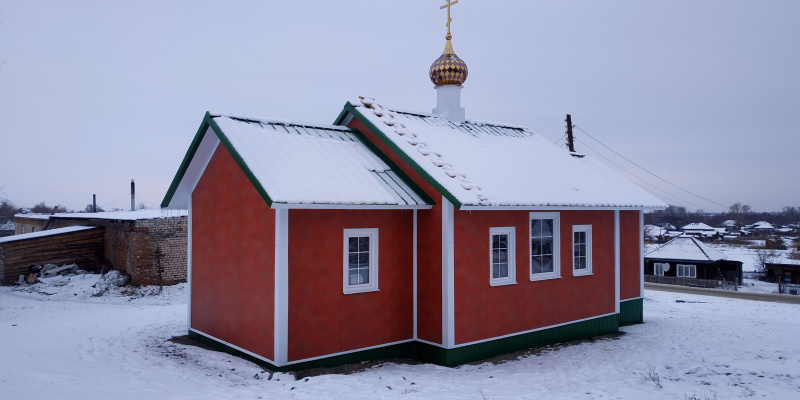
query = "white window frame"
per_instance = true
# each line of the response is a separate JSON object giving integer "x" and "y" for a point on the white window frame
{"x": 664, "y": 268}
{"x": 683, "y": 268}
{"x": 372, "y": 286}
{"x": 588, "y": 230}
{"x": 511, "y": 279}
{"x": 556, "y": 217}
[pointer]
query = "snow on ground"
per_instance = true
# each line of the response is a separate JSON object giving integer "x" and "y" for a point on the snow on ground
{"x": 63, "y": 342}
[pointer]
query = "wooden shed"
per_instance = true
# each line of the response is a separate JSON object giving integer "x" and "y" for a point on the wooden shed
{"x": 82, "y": 245}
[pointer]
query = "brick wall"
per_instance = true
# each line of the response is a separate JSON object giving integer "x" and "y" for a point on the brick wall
{"x": 138, "y": 247}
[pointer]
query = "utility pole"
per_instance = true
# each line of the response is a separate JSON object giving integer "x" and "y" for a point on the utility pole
{"x": 133, "y": 196}
{"x": 570, "y": 139}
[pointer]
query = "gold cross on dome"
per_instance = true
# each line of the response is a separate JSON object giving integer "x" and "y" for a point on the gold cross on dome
{"x": 448, "y": 5}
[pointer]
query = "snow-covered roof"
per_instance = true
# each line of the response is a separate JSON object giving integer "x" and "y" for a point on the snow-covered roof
{"x": 476, "y": 164}
{"x": 763, "y": 225}
{"x": 50, "y": 232}
{"x": 295, "y": 164}
{"x": 120, "y": 215}
{"x": 697, "y": 226}
{"x": 729, "y": 222}
{"x": 33, "y": 216}
{"x": 686, "y": 248}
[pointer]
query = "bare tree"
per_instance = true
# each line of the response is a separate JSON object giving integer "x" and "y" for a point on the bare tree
{"x": 738, "y": 212}
{"x": 762, "y": 257}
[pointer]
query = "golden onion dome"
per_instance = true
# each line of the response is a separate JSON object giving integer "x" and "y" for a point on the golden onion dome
{"x": 448, "y": 69}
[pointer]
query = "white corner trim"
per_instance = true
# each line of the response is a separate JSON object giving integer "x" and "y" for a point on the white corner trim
{"x": 641, "y": 253}
{"x": 448, "y": 275}
{"x": 414, "y": 269}
{"x": 189, "y": 266}
{"x": 616, "y": 261}
{"x": 281, "y": 313}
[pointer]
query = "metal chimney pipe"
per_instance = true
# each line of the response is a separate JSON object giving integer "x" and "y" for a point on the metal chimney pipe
{"x": 94, "y": 203}
{"x": 133, "y": 196}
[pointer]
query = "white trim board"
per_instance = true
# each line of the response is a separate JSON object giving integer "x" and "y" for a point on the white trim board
{"x": 616, "y": 262}
{"x": 233, "y": 346}
{"x": 200, "y": 159}
{"x": 554, "y": 208}
{"x": 282, "y": 206}
{"x": 448, "y": 274}
{"x": 281, "y": 313}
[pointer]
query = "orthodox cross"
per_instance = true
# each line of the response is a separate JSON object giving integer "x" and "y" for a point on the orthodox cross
{"x": 448, "y": 5}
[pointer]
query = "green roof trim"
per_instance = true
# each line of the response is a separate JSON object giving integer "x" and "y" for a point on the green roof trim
{"x": 187, "y": 159}
{"x": 349, "y": 108}
{"x": 240, "y": 161}
{"x": 208, "y": 122}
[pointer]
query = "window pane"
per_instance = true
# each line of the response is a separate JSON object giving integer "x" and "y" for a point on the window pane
{"x": 352, "y": 244}
{"x": 503, "y": 255}
{"x": 504, "y": 270}
{"x": 495, "y": 241}
{"x": 547, "y": 227}
{"x": 536, "y": 227}
{"x": 353, "y": 279}
{"x": 547, "y": 246}
{"x": 363, "y": 260}
{"x": 495, "y": 270}
{"x": 352, "y": 261}
{"x": 547, "y": 263}
{"x": 495, "y": 256}
{"x": 363, "y": 243}
{"x": 536, "y": 247}
{"x": 536, "y": 264}
{"x": 503, "y": 241}
{"x": 364, "y": 275}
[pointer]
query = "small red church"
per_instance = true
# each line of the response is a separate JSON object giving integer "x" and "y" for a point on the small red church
{"x": 395, "y": 234}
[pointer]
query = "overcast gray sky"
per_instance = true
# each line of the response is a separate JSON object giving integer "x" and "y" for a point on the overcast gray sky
{"x": 703, "y": 94}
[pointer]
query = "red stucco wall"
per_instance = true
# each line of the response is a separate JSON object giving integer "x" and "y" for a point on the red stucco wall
{"x": 630, "y": 257}
{"x": 483, "y": 311}
{"x": 233, "y": 257}
{"x": 429, "y": 249}
{"x": 323, "y": 320}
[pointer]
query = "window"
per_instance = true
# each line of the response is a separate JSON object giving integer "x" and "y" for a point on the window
{"x": 687, "y": 271}
{"x": 544, "y": 253}
{"x": 502, "y": 267}
{"x": 660, "y": 268}
{"x": 360, "y": 260}
{"x": 581, "y": 250}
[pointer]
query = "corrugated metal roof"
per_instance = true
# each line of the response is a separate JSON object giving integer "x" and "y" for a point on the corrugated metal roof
{"x": 305, "y": 164}
{"x": 486, "y": 164}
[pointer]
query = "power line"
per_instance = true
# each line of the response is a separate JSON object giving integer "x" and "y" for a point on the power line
{"x": 724, "y": 207}
{"x": 664, "y": 194}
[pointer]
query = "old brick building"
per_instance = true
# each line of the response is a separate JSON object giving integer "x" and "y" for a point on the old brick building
{"x": 144, "y": 244}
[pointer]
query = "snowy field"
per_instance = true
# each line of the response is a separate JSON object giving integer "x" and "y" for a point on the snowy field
{"x": 66, "y": 340}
